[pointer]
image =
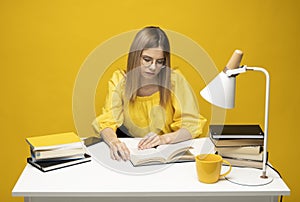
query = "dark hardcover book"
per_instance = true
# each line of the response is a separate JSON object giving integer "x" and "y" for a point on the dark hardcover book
{"x": 48, "y": 165}
{"x": 236, "y": 132}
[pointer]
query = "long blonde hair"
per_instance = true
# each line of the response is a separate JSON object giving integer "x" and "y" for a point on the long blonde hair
{"x": 148, "y": 37}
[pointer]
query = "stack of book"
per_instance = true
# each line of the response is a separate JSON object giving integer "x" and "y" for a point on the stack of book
{"x": 49, "y": 152}
{"x": 241, "y": 145}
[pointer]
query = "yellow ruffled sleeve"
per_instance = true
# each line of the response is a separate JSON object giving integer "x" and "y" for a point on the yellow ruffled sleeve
{"x": 186, "y": 111}
{"x": 112, "y": 112}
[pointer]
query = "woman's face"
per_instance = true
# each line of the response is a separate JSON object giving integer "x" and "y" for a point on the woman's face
{"x": 152, "y": 61}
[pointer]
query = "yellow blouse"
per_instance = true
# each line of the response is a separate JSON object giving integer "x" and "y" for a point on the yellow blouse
{"x": 145, "y": 114}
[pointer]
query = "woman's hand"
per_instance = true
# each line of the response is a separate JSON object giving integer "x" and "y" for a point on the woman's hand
{"x": 151, "y": 140}
{"x": 119, "y": 150}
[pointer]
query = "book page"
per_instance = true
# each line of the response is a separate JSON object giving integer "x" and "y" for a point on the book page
{"x": 144, "y": 156}
{"x": 168, "y": 151}
{"x": 241, "y": 150}
{"x": 144, "y": 152}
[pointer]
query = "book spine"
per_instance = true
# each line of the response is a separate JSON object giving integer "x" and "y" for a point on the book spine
{"x": 62, "y": 146}
{"x": 237, "y": 142}
{"x": 240, "y": 150}
{"x": 256, "y": 157}
{"x": 58, "y": 153}
{"x": 244, "y": 163}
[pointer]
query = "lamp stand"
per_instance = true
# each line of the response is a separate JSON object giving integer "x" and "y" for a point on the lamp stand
{"x": 247, "y": 177}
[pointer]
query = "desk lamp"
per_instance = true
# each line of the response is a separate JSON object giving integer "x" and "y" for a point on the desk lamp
{"x": 221, "y": 92}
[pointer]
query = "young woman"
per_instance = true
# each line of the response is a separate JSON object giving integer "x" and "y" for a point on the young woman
{"x": 150, "y": 99}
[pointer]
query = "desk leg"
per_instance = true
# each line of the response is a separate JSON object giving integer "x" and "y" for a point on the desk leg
{"x": 274, "y": 199}
{"x": 27, "y": 199}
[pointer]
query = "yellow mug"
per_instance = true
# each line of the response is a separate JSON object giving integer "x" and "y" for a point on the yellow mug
{"x": 209, "y": 167}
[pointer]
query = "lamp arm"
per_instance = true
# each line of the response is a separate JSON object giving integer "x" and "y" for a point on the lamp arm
{"x": 242, "y": 69}
{"x": 267, "y": 99}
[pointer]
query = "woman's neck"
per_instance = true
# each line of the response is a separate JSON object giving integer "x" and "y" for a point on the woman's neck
{"x": 147, "y": 90}
{"x": 148, "y": 87}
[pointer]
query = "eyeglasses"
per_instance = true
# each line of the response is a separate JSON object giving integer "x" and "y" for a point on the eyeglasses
{"x": 148, "y": 61}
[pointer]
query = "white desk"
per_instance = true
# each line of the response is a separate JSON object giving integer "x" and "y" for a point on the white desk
{"x": 107, "y": 180}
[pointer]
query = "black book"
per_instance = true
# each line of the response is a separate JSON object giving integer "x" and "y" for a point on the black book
{"x": 47, "y": 165}
{"x": 223, "y": 132}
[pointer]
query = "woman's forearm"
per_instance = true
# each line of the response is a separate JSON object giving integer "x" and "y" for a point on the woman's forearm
{"x": 118, "y": 149}
{"x": 177, "y": 136}
{"x": 109, "y": 136}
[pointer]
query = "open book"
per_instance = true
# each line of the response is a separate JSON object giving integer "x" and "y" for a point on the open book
{"x": 178, "y": 152}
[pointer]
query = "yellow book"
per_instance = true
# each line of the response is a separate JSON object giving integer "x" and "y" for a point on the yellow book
{"x": 54, "y": 141}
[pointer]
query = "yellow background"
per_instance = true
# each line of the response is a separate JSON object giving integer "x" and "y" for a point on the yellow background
{"x": 44, "y": 43}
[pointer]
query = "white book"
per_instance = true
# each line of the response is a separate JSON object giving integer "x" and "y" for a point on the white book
{"x": 58, "y": 153}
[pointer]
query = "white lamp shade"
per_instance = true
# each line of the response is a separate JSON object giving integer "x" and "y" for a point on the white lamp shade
{"x": 220, "y": 91}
